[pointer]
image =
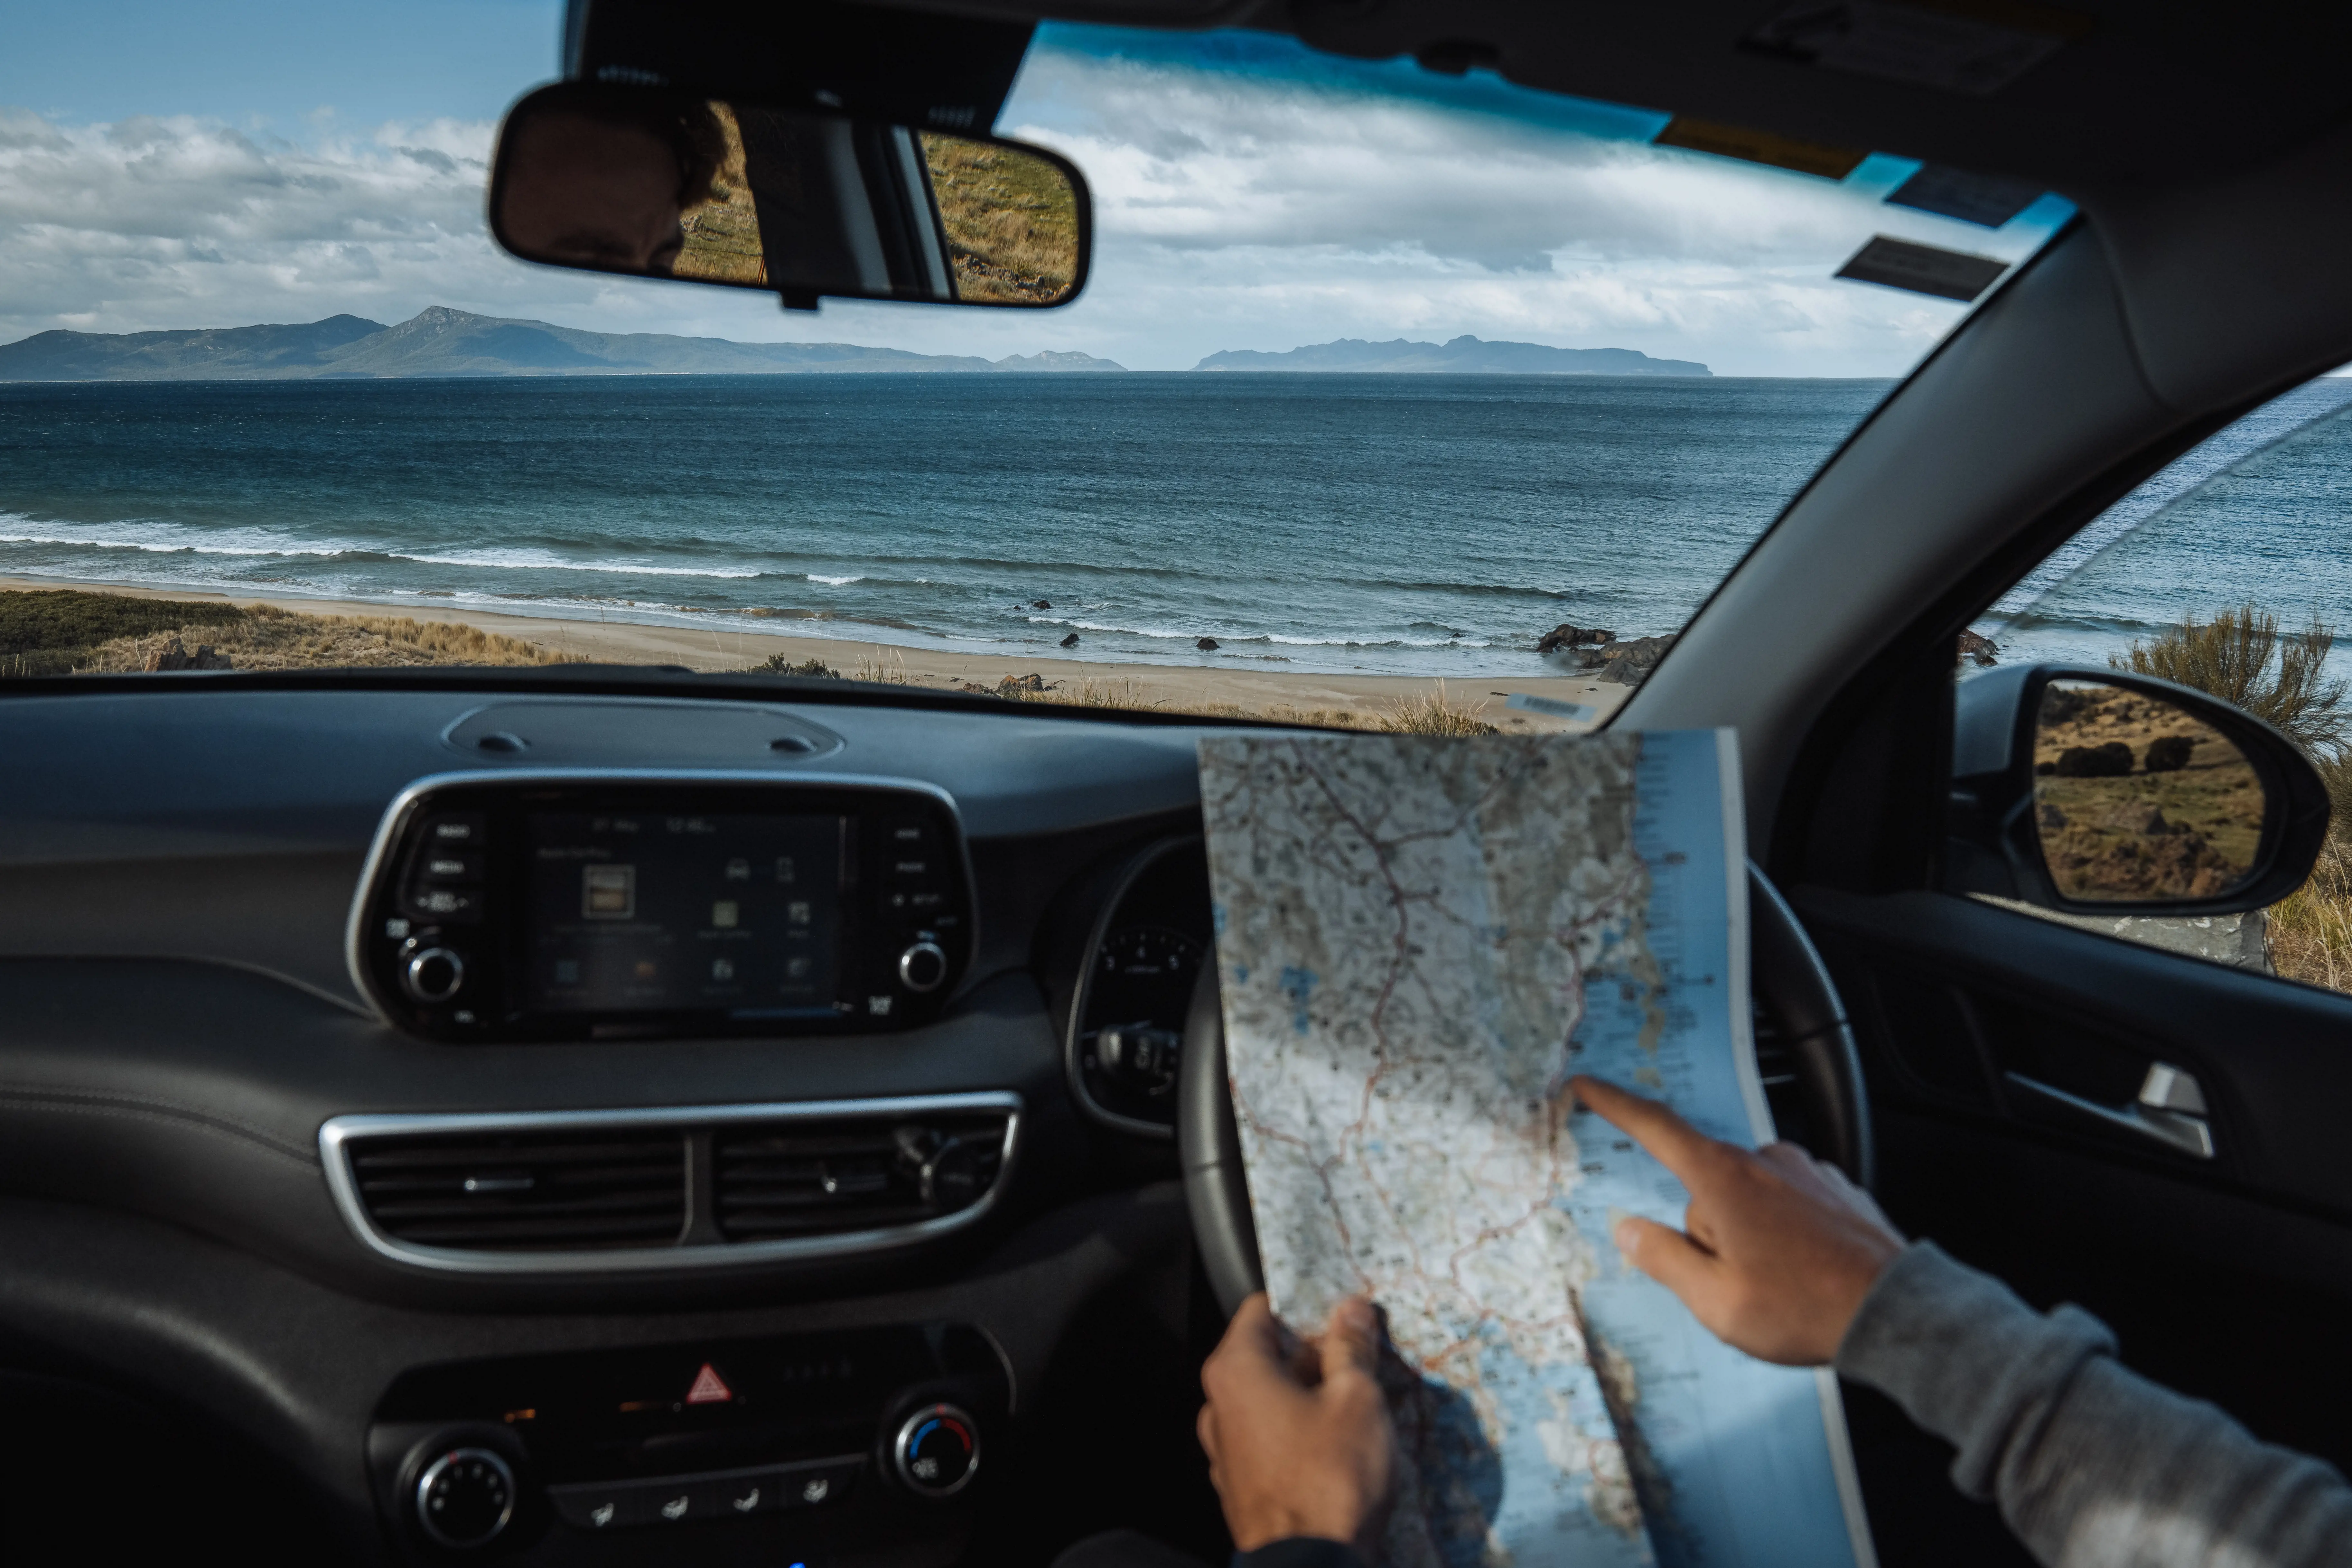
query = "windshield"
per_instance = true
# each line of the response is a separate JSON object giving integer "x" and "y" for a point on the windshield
{"x": 1393, "y": 394}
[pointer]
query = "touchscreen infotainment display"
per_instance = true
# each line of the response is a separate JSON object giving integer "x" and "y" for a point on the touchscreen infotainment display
{"x": 645, "y": 912}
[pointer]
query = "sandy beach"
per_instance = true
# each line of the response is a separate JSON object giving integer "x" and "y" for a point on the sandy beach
{"x": 727, "y": 643}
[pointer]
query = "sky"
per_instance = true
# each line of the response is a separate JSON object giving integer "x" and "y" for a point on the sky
{"x": 203, "y": 163}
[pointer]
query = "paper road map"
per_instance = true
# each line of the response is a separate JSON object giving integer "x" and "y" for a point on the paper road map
{"x": 1420, "y": 940}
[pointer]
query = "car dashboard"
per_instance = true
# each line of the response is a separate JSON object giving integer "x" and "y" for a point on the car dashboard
{"x": 577, "y": 1125}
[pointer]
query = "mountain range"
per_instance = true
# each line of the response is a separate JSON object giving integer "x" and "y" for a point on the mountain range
{"x": 440, "y": 342}
{"x": 1464, "y": 355}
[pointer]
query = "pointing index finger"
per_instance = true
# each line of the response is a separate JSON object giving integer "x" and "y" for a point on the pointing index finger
{"x": 1679, "y": 1147}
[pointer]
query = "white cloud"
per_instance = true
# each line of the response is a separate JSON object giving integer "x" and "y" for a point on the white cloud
{"x": 1240, "y": 212}
{"x": 1233, "y": 211}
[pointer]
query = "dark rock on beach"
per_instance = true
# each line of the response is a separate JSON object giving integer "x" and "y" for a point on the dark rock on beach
{"x": 1983, "y": 650}
{"x": 1012, "y": 684}
{"x": 1070, "y": 641}
{"x": 1206, "y": 644}
{"x": 1630, "y": 663}
{"x": 1566, "y": 635}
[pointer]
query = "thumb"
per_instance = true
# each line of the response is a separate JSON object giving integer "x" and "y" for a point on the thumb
{"x": 1352, "y": 1338}
{"x": 1671, "y": 1259}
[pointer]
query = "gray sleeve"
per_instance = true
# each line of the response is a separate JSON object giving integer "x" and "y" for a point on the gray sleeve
{"x": 2092, "y": 1466}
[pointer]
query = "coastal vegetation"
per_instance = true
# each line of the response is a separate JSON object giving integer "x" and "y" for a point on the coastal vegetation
{"x": 2242, "y": 657}
{"x": 68, "y": 632}
{"x": 1011, "y": 217}
{"x": 57, "y": 631}
{"x": 722, "y": 231}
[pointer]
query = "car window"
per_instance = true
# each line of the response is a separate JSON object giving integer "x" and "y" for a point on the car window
{"x": 1395, "y": 395}
{"x": 2227, "y": 571}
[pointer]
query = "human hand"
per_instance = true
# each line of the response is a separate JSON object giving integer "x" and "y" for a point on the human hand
{"x": 1777, "y": 1249}
{"x": 1297, "y": 1431}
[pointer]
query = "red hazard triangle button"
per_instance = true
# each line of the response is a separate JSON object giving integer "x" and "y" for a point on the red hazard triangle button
{"x": 709, "y": 1388}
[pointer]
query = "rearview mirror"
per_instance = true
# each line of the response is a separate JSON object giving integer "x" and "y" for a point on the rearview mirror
{"x": 2095, "y": 792}
{"x": 652, "y": 183}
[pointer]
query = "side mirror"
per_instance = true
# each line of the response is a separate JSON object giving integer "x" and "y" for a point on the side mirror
{"x": 653, "y": 184}
{"x": 2095, "y": 792}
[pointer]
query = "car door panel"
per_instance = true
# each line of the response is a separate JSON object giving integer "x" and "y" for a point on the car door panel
{"x": 2227, "y": 1279}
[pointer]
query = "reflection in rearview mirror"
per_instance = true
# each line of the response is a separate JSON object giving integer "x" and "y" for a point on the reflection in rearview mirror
{"x": 661, "y": 185}
{"x": 2136, "y": 801}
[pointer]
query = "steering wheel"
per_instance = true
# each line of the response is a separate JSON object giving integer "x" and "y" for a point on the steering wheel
{"x": 1793, "y": 990}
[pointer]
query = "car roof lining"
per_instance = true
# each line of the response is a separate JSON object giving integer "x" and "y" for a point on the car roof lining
{"x": 2149, "y": 94}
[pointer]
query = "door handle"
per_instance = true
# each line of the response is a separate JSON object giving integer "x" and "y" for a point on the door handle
{"x": 2170, "y": 1108}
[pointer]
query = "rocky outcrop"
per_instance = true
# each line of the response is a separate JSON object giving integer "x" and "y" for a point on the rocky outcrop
{"x": 1979, "y": 650}
{"x": 1567, "y": 636}
{"x": 1630, "y": 663}
{"x": 1207, "y": 645}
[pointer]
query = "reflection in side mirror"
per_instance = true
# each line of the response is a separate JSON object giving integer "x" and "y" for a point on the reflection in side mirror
{"x": 2136, "y": 801}
{"x": 2110, "y": 793}
{"x": 661, "y": 185}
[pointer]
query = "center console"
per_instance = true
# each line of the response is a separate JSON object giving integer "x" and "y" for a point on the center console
{"x": 561, "y": 906}
{"x": 863, "y": 1445}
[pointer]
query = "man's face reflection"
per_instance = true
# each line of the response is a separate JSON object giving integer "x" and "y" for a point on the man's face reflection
{"x": 592, "y": 192}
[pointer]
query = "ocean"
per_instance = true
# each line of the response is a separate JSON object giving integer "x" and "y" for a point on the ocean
{"x": 1430, "y": 525}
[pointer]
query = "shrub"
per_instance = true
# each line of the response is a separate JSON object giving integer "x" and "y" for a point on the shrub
{"x": 1434, "y": 714}
{"x": 806, "y": 669}
{"x": 2240, "y": 657}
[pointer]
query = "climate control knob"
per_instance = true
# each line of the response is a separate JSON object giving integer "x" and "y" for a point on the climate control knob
{"x": 922, "y": 966}
{"x": 938, "y": 1450}
{"x": 464, "y": 1498}
{"x": 433, "y": 975}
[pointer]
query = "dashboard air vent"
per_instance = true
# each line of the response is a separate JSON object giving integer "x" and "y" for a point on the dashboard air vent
{"x": 818, "y": 1176}
{"x": 526, "y": 1192}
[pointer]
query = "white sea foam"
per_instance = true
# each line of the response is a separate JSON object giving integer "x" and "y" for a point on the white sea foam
{"x": 837, "y": 582}
{"x": 168, "y": 539}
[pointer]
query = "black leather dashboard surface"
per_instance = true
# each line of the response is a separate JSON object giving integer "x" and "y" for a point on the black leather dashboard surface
{"x": 176, "y": 1022}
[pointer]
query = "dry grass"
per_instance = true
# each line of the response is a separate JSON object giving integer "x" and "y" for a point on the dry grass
{"x": 722, "y": 233}
{"x": 2310, "y": 930}
{"x": 1011, "y": 221}
{"x": 267, "y": 637}
{"x": 890, "y": 671}
{"x": 1434, "y": 714}
{"x": 1126, "y": 692}
{"x": 2240, "y": 658}
{"x": 784, "y": 664}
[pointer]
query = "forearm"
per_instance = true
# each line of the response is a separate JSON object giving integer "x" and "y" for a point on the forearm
{"x": 2092, "y": 1466}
